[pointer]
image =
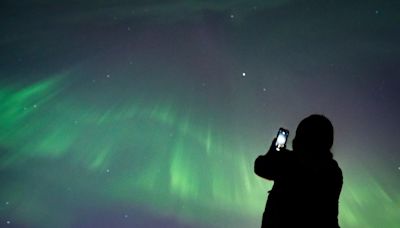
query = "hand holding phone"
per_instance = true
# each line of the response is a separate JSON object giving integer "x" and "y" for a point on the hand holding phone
{"x": 281, "y": 139}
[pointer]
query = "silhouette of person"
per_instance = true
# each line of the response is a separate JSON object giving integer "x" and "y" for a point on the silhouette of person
{"x": 307, "y": 180}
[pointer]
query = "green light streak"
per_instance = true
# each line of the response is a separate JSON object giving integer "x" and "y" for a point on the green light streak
{"x": 16, "y": 104}
{"x": 100, "y": 159}
{"x": 184, "y": 181}
{"x": 208, "y": 141}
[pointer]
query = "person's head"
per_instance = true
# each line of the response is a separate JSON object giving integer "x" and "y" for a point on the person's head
{"x": 314, "y": 135}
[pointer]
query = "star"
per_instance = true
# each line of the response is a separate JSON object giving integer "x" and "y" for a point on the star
{"x": 8, "y": 222}
{"x": 376, "y": 11}
{"x": 35, "y": 106}
{"x": 244, "y": 74}
{"x": 108, "y": 76}
{"x": 107, "y": 170}
{"x": 126, "y": 216}
{"x": 264, "y": 89}
{"x": 231, "y": 16}
{"x": 7, "y": 203}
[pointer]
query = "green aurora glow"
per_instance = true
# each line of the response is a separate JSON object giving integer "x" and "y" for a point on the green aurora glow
{"x": 39, "y": 122}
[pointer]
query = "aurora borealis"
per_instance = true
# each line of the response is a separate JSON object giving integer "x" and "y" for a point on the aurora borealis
{"x": 121, "y": 114}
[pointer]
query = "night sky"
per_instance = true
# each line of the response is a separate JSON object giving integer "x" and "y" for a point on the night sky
{"x": 121, "y": 114}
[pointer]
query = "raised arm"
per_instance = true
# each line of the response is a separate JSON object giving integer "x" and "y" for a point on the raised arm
{"x": 265, "y": 167}
{"x": 271, "y": 165}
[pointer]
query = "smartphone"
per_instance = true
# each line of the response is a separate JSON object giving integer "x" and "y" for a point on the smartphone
{"x": 281, "y": 139}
